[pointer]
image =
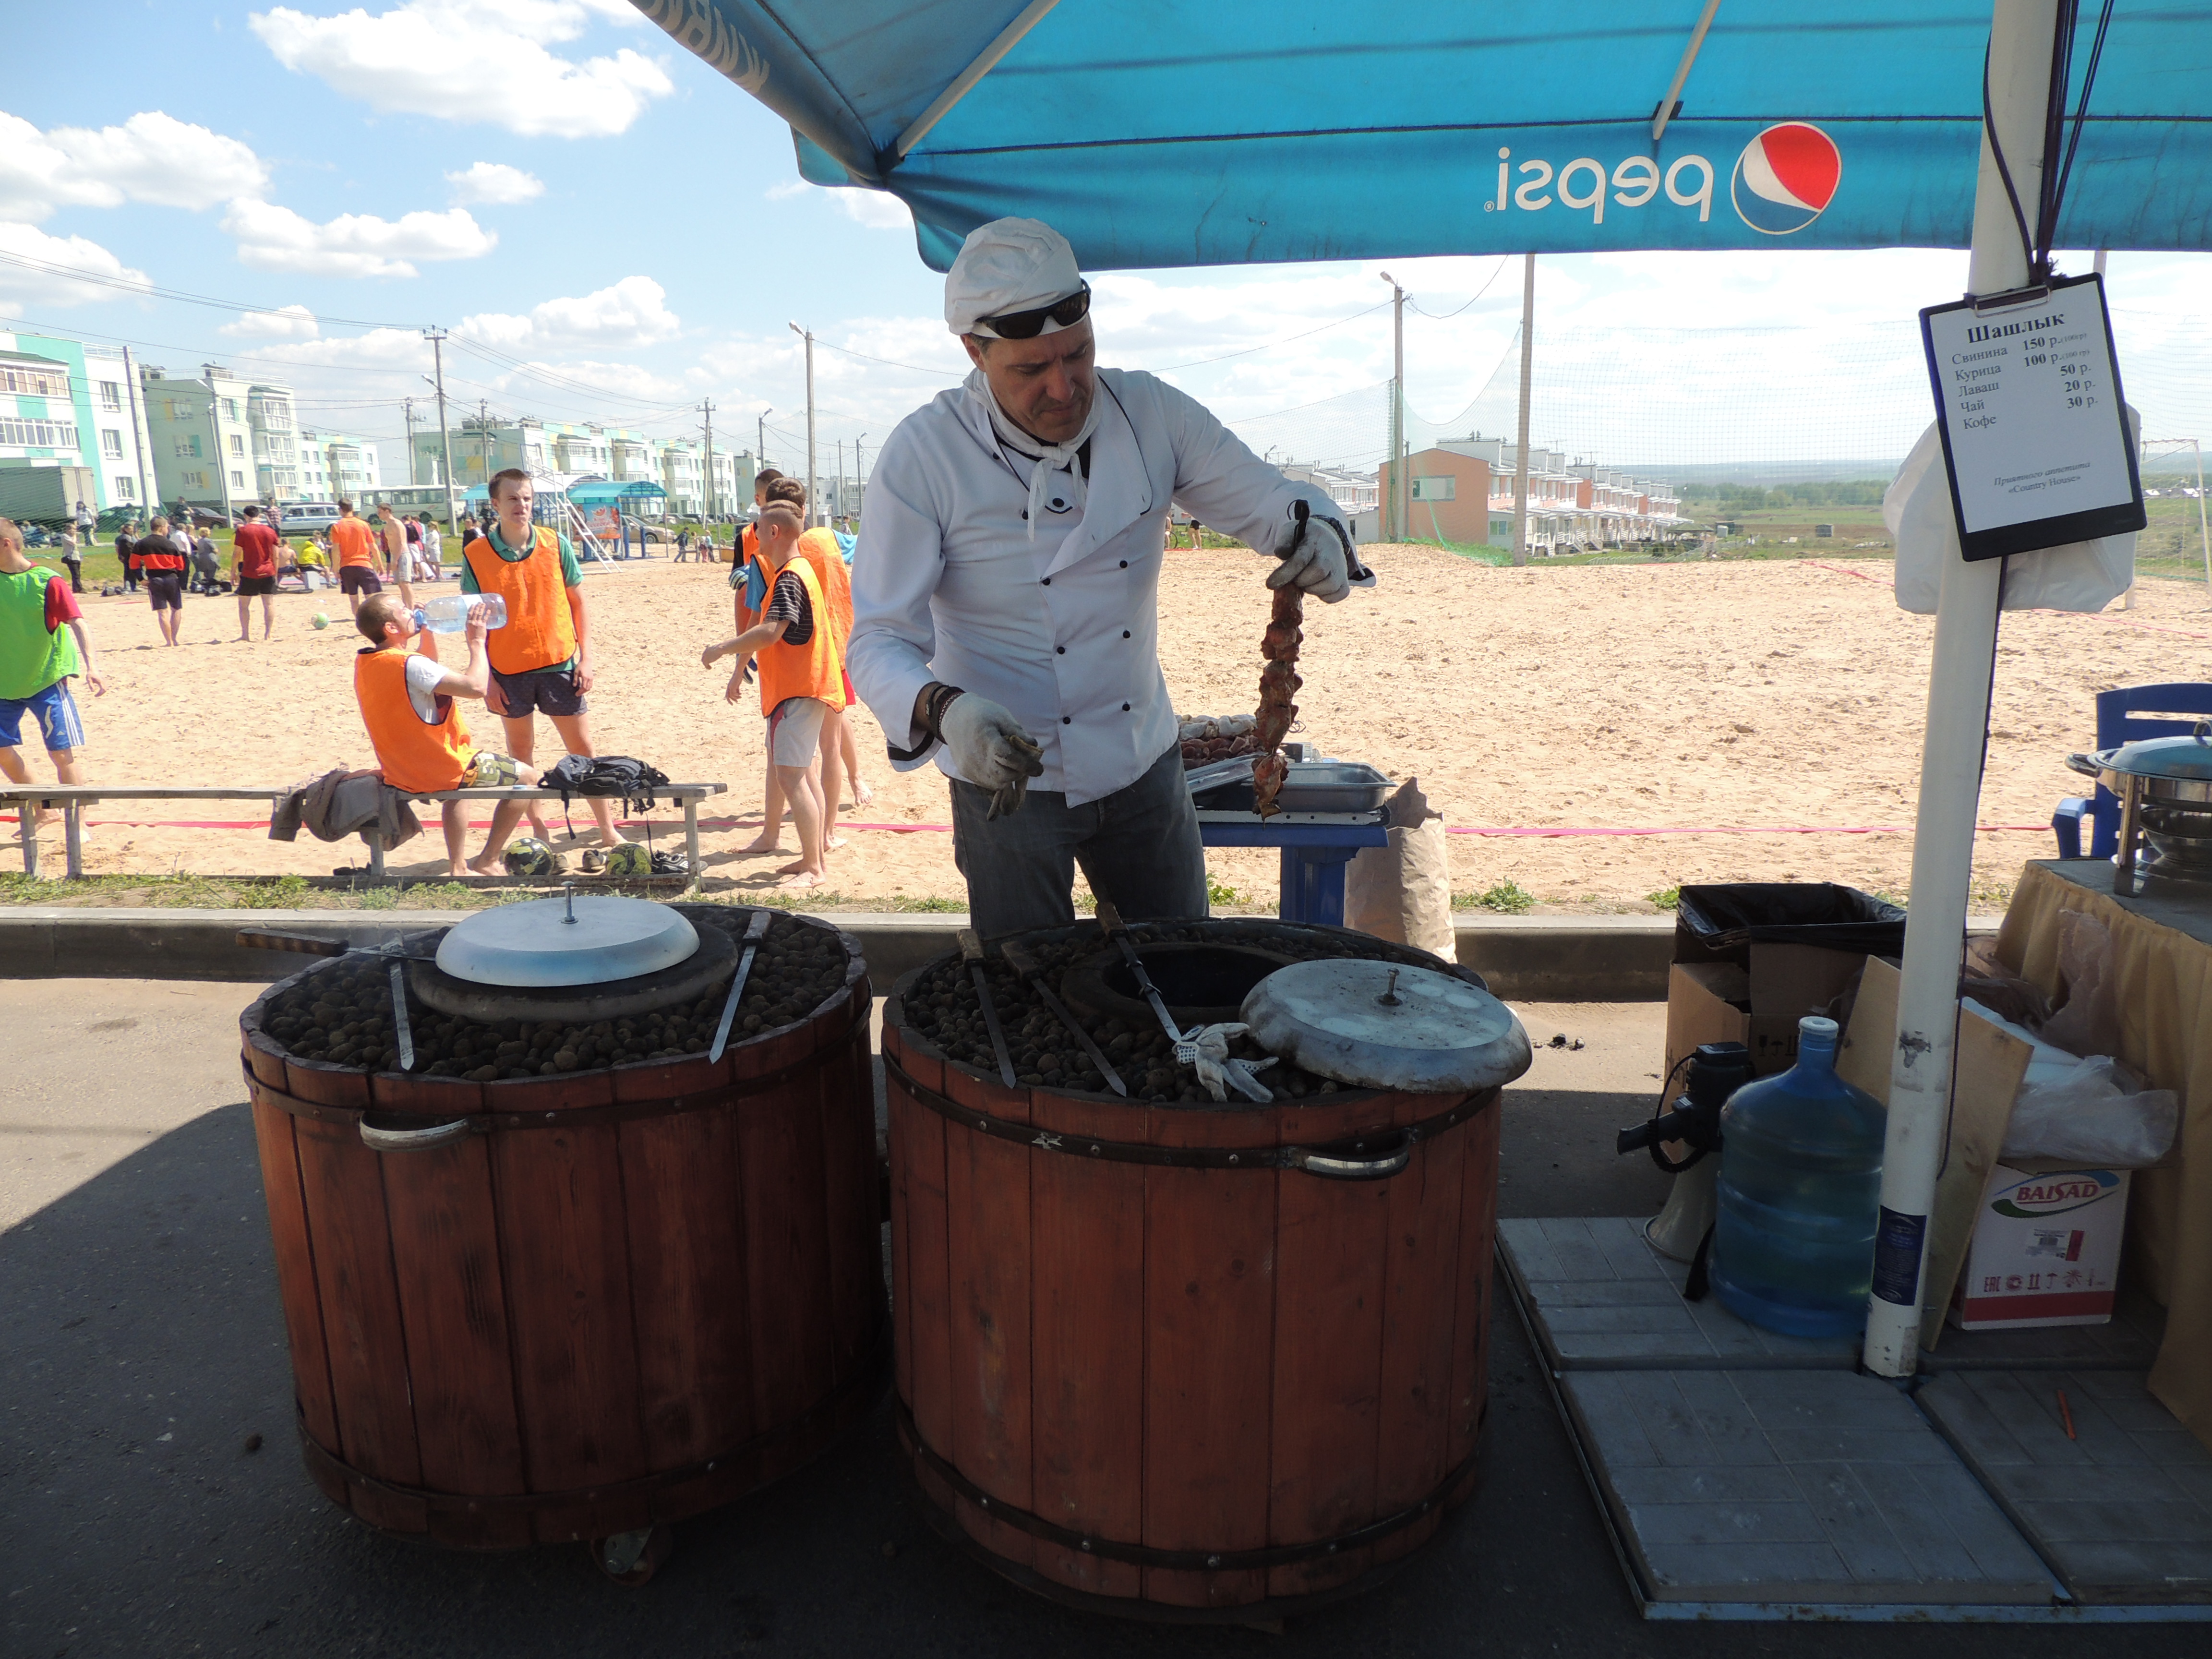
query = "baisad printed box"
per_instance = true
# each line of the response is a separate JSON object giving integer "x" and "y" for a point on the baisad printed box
{"x": 2046, "y": 1249}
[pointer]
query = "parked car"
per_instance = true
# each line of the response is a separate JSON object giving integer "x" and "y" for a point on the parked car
{"x": 299, "y": 518}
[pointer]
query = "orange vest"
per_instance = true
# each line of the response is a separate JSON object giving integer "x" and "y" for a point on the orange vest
{"x": 540, "y": 633}
{"x": 820, "y": 547}
{"x": 412, "y": 753}
{"x": 815, "y": 669}
{"x": 355, "y": 542}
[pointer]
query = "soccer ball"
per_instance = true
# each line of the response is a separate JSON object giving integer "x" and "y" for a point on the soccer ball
{"x": 630, "y": 859}
{"x": 321, "y": 619}
{"x": 526, "y": 855}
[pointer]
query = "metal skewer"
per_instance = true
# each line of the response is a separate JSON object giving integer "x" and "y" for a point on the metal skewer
{"x": 756, "y": 930}
{"x": 972, "y": 948}
{"x": 1024, "y": 964}
{"x": 1118, "y": 931}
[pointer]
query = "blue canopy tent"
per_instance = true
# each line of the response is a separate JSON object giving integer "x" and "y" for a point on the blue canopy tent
{"x": 1153, "y": 134}
{"x": 1240, "y": 131}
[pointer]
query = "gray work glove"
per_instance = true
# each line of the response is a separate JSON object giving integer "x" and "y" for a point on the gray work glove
{"x": 991, "y": 749}
{"x": 1315, "y": 556}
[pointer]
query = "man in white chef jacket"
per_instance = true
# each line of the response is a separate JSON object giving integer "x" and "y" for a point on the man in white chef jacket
{"x": 1006, "y": 592}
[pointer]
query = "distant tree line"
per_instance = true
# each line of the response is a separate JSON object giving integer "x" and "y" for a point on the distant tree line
{"x": 1750, "y": 498}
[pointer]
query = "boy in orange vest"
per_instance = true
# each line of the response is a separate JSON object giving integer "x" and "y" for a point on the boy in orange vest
{"x": 802, "y": 680}
{"x": 422, "y": 743}
{"x": 542, "y": 659}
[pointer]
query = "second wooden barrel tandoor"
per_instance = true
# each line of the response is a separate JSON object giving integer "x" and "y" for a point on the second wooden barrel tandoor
{"x": 1182, "y": 1361}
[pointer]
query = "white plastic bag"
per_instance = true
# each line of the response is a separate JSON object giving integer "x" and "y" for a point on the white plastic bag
{"x": 2079, "y": 576}
{"x": 2091, "y": 1110}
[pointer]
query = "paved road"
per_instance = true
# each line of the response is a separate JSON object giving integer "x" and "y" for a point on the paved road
{"x": 141, "y": 1347}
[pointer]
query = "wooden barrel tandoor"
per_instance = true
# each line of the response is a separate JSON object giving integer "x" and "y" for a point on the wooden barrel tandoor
{"x": 1184, "y": 1362}
{"x": 616, "y": 1298}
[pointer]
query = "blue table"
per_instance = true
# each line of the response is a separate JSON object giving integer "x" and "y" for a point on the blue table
{"x": 1315, "y": 848}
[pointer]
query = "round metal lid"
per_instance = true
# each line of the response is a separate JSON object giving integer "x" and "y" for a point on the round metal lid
{"x": 590, "y": 940}
{"x": 1386, "y": 1027}
{"x": 2164, "y": 757}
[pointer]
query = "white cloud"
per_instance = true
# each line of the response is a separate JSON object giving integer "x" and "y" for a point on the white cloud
{"x": 496, "y": 182}
{"x": 272, "y": 237}
{"x": 294, "y": 322}
{"x": 877, "y": 209}
{"x": 20, "y": 287}
{"x": 633, "y": 311}
{"x": 473, "y": 60}
{"x": 394, "y": 349}
{"x": 152, "y": 157}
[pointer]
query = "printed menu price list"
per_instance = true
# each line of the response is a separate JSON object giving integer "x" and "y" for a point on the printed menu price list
{"x": 2035, "y": 434}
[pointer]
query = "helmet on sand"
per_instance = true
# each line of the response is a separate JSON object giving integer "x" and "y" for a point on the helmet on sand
{"x": 630, "y": 859}
{"x": 526, "y": 855}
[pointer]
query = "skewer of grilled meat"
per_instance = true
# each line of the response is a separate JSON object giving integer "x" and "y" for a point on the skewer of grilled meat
{"x": 1279, "y": 683}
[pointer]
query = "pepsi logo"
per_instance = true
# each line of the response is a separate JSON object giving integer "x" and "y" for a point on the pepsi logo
{"x": 1785, "y": 176}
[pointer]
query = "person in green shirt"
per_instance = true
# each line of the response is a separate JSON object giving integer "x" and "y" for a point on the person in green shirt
{"x": 541, "y": 659}
{"x": 43, "y": 641}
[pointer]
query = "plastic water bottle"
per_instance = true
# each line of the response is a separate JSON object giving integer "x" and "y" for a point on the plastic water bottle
{"x": 1800, "y": 1184}
{"x": 449, "y": 612}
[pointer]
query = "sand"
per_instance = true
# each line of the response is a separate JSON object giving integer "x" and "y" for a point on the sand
{"x": 1707, "y": 695}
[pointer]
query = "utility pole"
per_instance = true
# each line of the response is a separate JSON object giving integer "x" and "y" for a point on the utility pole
{"x": 141, "y": 435}
{"x": 760, "y": 438}
{"x": 837, "y": 502}
{"x": 484, "y": 442}
{"x": 860, "y": 478}
{"x": 707, "y": 406}
{"x": 812, "y": 506}
{"x": 436, "y": 337}
{"x": 1520, "y": 432}
{"x": 1400, "y": 509}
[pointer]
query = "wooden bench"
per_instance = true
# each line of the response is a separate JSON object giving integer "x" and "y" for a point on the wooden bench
{"x": 73, "y": 799}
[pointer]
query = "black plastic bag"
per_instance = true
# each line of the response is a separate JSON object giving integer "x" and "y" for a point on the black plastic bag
{"x": 1726, "y": 921}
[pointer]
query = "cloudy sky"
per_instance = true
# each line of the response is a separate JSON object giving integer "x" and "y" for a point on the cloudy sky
{"x": 612, "y": 232}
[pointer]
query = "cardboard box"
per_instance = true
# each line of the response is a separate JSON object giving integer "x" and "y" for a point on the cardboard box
{"x": 2047, "y": 1249}
{"x": 1759, "y": 1006}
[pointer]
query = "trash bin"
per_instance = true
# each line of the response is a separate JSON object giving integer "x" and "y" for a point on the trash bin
{"x": 1752, "y": 959}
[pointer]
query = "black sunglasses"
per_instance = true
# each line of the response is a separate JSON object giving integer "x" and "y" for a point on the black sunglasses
{"x": 1028, "y": 324}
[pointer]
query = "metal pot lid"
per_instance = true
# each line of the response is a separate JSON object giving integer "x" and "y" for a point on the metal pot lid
{"x": 590, "y": 940}
{"x": 1380, "y": 1026}
{"x": 2188, "y": 758}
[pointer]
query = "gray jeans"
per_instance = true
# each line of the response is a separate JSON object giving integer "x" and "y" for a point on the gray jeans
{"x": 1139, "y": 848}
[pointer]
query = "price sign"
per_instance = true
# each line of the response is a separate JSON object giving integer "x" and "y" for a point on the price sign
{"x": 2035, "y": 434}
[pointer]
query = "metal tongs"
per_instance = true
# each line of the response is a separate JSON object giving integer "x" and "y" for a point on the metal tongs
{"x": 1025, "y": 965}
{"x": 971, "y": 948}
{"x": 756, "y": 930}
{"x": 265, "y": 939}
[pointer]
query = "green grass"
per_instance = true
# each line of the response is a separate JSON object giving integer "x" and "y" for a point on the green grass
{"x": 1220, "y": 892}
{"x": 928, "y": 903}
{"x": 1508, "y": 897}
{"x": 1666, "y": 898}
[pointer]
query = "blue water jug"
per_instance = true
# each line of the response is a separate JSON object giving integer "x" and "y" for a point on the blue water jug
{"x": 1800, "y": 1183}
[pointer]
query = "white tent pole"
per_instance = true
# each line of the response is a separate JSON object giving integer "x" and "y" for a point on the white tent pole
{"x": 2020, "y": 34}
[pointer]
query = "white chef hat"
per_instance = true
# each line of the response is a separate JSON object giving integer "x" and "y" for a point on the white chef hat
{"x": 1009, "y": 264}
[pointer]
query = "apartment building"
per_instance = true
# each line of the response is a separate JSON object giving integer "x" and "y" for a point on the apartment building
{"x": 1462, "y": 491}
{"x": 219, "y": 440}
{"x": 65, "y": 402}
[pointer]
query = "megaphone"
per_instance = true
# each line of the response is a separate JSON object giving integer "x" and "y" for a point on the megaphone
{"x": 1717, "y": 1070}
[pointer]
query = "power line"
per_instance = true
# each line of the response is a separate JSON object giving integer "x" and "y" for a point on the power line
{"x": 151, "y": 290}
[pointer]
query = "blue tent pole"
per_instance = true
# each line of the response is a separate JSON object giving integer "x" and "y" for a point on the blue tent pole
{"x": 1921, "y": 1063}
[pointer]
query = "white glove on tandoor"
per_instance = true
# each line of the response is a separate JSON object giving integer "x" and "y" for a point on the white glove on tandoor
{"x": 1205, "y": 1050}
{"x": 1317, "y": 561}
{"x": 991, "y": 749}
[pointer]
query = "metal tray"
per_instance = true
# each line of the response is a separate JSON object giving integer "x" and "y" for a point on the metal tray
{"x": 1324, "y": 785}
